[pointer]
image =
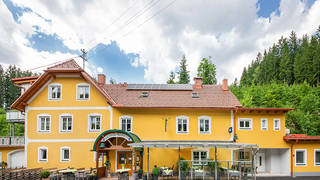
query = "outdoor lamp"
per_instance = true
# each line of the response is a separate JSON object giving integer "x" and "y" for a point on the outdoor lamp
{"x": 102, "y": 145}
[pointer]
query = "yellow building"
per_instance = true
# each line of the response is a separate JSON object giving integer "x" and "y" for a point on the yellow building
{"x": 70, "y": 118}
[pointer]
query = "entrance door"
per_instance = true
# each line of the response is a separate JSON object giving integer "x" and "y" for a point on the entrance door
{"x": 124, "y": 160}
{"x": 260, "y": 162}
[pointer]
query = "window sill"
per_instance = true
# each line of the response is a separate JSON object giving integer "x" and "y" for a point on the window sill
{"x": 245, "y": 128}
{"x": 182, "y": 132}
{"x": 39, "y": 131}
{"x": 43, "y": 160}
{"x": 54, "y": 99}
{"x": 204, "y": 132}
{"x": 83, "y": 99}
{"x": 93, "y": 131}
{"x": 65, "y": 160}
{"x": 66, "y": 131}
{"x": 301, "y": 164}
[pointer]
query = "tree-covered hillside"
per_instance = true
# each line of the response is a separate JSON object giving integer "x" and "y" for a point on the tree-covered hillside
{"x": 287, "y": 75}
{"x": 305, "y": 99}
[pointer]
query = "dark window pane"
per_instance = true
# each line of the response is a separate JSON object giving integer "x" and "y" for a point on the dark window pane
{"x": 300, "y": 157}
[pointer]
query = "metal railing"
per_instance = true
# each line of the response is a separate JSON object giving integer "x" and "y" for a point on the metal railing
{"x": 11, "y": 140}
{"x": 15, "y": 116}
{"x": 210, "y": 169}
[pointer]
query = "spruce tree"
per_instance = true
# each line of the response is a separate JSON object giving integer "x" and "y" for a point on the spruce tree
{"x": 285, "y": 64}
{"x": 207, "y": 71}
{"x": 172, "y": 76}
{"x": 183, "y": 73}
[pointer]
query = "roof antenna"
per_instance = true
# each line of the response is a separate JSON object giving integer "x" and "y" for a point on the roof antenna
{"x": 83, "y": 56}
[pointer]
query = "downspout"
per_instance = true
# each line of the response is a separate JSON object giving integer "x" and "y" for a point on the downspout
{"x": 291, "y": 155}
{"x": 235, "y": 137}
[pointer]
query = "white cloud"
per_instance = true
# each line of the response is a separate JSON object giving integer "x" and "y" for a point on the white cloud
{"x": 100, "y": 69}
{"x": 229, "y": 31}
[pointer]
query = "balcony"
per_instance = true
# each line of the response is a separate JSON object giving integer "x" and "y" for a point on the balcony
{"x": 11, "y": 141}
{"x": 15, "y": 117}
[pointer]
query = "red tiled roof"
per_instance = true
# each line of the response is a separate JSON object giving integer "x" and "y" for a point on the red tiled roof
{"x": 69, "y": 64}
{"x": 300, "y": 137}
{"x": 25, "y": 78}
{"x": 210, "y": 96}
{"x": 265, "y": 109}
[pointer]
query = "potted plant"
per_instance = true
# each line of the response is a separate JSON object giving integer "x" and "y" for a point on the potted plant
{"x": 183, "y": 168}
{"x": 155, "y": 172}
{"x": 145, "y": 177}
{"x": 4, "y": 164}
{"x": 212, "y": 165}
{"x": 108, "y": 165}
{"x": 140, "y": 173}
{"x": 135, "y": 175}
{"x": 45, "y": 175}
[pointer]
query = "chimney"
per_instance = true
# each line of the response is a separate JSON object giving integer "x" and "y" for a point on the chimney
{"x": 101, "y": 79}
{"x": 225, "y": 85}
{"x": 197, "y": 83}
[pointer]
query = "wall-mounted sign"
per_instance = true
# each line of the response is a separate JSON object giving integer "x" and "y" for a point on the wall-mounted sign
{"x": 116, "y": 135}
{"x": 230, "y": 130}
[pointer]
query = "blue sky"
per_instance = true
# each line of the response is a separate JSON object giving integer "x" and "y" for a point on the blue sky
{"x": 128, "y": 60}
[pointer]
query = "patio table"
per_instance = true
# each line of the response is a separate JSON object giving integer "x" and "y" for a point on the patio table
{"x": 68, "y": 172}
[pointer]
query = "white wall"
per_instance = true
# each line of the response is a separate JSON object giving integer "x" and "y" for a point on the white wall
{"x": 277, "y": 161}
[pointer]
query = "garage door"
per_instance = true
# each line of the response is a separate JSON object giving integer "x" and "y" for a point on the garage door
{"x": 17, "y": 159}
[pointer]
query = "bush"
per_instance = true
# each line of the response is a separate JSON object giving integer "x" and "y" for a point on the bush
{"x": 45, "y": 174}
{"x": 156, "y": 171}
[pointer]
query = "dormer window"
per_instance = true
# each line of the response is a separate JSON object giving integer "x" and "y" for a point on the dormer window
{"x": 144, "y": 94}
{"x": 194, "y": 95}
{"x": 54, "y": 92}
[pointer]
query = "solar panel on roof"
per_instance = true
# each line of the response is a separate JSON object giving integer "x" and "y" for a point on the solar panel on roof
{"x": 181, "y": 87}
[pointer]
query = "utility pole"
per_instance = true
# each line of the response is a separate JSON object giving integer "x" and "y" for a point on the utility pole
{"x": 83, "y": 56}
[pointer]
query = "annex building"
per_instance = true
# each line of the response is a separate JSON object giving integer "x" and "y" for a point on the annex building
{"x": 74, "y": 120}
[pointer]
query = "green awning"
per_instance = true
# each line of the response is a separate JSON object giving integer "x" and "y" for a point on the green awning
{"x": 132, "y": 136}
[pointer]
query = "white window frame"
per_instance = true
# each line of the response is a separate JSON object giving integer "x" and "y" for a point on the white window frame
{"x": 245, "y": 119}
{"x": 39, "y": 123}
{"x": 205, "y": 118}
{"x": 61, "y": 123}
{"x": 89, "y": 122}
{"x": 120, "y": 122}
{"x": 39, "y": 154}
{"x": 50, "y": 92}
{"x": 62, "y": 154}
{"x": 78, "y": 95}
{"x": 95, "y": 156}
{"x": 199, "y": 151}
{"x": 305, "y": 157}
{"x": 315, "y": 163}
{"x": 274, "y": 124}
{"x": 185, "y": 118}
{"x": 264, "y": 128}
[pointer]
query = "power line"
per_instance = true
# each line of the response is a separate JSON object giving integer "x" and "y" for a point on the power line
{"x": 116, "y": 19}
{"x": 141, "y": 24}
{"x": 51, "y": 63}
{"x": 134, "y": 17}
{"x": 157, "y": 13}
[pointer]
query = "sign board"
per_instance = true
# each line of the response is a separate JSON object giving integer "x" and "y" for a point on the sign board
{"x": 116, "y": 135}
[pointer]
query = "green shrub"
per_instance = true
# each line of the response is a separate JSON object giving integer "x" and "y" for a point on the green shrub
{"x": 45, "y": 174}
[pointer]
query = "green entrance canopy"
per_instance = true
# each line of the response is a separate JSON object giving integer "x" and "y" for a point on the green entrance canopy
{"x": 116, "y": 133}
